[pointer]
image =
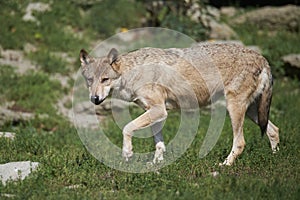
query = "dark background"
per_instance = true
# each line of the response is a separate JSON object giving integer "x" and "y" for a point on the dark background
{"x": 245, "y": 3}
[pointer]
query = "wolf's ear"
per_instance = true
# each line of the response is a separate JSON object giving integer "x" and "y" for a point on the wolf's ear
{"x": 84, "y": 57}
{"x": 112, "y": 55}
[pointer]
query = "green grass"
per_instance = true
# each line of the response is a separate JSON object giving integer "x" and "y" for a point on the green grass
{"x": 33, "y": 92}
{"x": 56, "y": 31}
{"x": 274, "y": 45}
{"x": 257, "y": 174}
{"x": 49, "y": 33}
{"x": 106, "y": 17}
{"x": 49, "y": 63}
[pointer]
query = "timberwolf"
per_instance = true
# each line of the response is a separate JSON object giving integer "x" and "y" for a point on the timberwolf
{"x": 244, "y": 79}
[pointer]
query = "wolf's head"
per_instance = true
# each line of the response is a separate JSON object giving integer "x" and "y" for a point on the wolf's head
{"x": 99, "y": 73}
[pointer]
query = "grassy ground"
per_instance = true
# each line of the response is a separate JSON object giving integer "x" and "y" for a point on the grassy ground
{"x": 257, "y": 173}
{"x": 69, "y": 171}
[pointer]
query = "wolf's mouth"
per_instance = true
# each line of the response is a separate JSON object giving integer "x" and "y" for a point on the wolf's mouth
{"x": 96, "y": 100}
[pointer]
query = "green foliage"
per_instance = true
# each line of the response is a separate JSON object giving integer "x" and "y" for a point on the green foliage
{"x": 107, "y": 16}
{"x": 184, "y": 25}
{"x": 274, "y": 45}
{"x": 14, "y": 32}
{"x": 48, "y": 33}
{"x": 49, "y": 63}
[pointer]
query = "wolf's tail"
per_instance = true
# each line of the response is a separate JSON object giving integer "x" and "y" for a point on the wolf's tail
{"x": 264, "y": 103}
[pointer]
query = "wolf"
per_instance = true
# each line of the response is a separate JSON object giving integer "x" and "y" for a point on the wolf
{"x": 154, "y": 78}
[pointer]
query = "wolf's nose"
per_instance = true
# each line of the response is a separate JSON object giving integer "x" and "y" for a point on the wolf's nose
{"x": 95, "y": 99}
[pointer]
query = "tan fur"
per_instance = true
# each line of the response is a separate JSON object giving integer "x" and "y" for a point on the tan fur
{"x": 153, "y": 77}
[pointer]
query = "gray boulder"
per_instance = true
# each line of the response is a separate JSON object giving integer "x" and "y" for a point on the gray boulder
{"x": 273, "y": 18}
{"x": 16, "y": 170}
{"x": 209, "y": 17}
{"x": 292, "y": 64}
{"x": 228, "y": 11}
{"x": 221, "y": 31}
{"x": 35, "y": 7}
{"x": 8, "y": 135}
{"x": 7, "y": 115}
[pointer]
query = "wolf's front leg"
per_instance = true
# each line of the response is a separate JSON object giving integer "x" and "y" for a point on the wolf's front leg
{"x": 155, "y": 114}
{"x": 159, "y": 141}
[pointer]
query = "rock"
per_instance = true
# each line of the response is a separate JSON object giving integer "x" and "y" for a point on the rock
{"x": 209, "y": 17}
{"x": 29, "y": 48}
{"x": 7, "y": 115}
{"x": 215, "y": 174}
{"x": 35, "y": 7}
{"x": 8, "y": 195}
{"x": 64, "y": 80}
{"x": 15, "y": 59}
{"x": 214, "y": 12}
{"x": 194, "y": 12}
{"x": 255, "y": 48}
{"x": 238, "y": 42}
{"x": 87, "y": 115}
{"x": 73, "y": 186}
{"x": 228, "y": 11}
{"x": 273, "y": 18}
{"x": 221, "y": 31}
{"x": 64, "y": 56}
{"x": 16, "y": 170}
{"x": 84, "y": 107}
{"x": 8, "y": 135}
{"x": 113, "y": 103}
{"x": 292, "y": 64}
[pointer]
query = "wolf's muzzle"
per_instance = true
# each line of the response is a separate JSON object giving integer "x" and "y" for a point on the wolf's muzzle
{"x": 95, "y": 99}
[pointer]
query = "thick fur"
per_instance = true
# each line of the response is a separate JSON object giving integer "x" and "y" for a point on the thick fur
{"x": 154, "y": 78}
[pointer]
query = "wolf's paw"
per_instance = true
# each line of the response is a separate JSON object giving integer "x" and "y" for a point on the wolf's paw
{"x": 275, "y": 149}
{"x": 127, "y": 154}
{"x": 226, "y": 163}
{"x": 159, "y": 153}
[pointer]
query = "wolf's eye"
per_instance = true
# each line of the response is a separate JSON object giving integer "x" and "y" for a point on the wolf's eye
{"x": 89, "y": 80}
{"x": 104, "y": 80}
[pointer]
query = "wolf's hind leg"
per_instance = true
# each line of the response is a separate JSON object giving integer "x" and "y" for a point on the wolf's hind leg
{"x": 272, "y": 130}
{"x": 155, "y": 114}
{"x": 159, "y": 141}
{"x": 237, "y": 114}
{"x": 273, "y": 135}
